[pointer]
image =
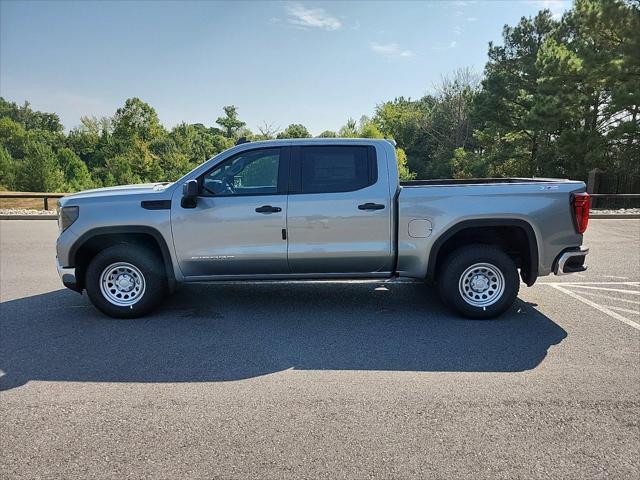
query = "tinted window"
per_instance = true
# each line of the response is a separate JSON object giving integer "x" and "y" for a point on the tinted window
{"x": 251, "y": 173}
{"x": 335, "y": 169}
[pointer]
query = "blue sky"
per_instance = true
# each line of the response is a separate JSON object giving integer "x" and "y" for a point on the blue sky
{"x": 315, "y": 63}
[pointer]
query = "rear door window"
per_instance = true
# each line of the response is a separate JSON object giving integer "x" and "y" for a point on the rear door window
{"x": 326, "y": 169}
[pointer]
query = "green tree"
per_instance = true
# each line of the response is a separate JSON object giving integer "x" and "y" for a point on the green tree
{"x": 230, "y": 122}
{"x": 136, "y": 128}
{"x": 76, "y": 173}
{"x": 7, "y": 170}
{"x": 91, "y": 140}
{"x": 403, "y": 171}
{"x": 368, "y": 129}
{"x": 349, "y": 129}
{"x": 328, "y": 134}
{"x": 560, "y": 97}
{"x": 449, "y": 123}
{"x": 403, "y": 120}
{"x": 295, "y": 130}
{"x": 40, "y": 170}
{"x": 118, "y": 171}
{"x": 197, "y": 142}
{"x": 513, "y": 130}
{"x": 266, "y": 131}
{"x": 589, "y": 88}
{"x": 136, "y": 120}
{"x": 173, "y": 161}
{"x": 467, "y": 164}
{"x": 12, "y": 137}
{"x": 28, "y": 118}
{"x": 430, "y": 129}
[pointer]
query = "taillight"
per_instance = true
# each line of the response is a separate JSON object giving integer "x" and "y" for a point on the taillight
{"x": 581, "y": 206}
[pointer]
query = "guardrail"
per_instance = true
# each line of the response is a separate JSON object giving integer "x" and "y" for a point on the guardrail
{"x": 44, "y": 196}
{"x": 613, "y": 201}
{"x": 615, "y": 195}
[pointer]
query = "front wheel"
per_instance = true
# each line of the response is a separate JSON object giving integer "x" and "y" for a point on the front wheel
{"x": 125, "y": 281}
{"x": 479, "y": 281}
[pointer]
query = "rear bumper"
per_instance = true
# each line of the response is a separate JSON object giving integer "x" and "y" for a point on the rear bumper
{"x": 68, "y": 276}
{"x": 571, "y": 260}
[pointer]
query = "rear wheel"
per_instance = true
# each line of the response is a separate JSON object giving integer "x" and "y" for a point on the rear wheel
{"x": 478, "y": 281}
{"x": 125, "y": 281}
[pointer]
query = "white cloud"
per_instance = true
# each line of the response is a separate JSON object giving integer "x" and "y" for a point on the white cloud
{"x": 390, "y": 50}
{"x": 304, "y": 17}
{"x": 457, "y": 30}
{"x": 472, "y": 19}
{"x": 556, "y": 7}
{"x": 441, "y": 46}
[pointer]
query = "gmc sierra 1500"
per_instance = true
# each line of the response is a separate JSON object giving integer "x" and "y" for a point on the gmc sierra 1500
{"x": 319, "y": 208}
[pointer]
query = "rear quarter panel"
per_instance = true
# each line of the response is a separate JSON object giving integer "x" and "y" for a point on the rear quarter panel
{"x": 545, "y": 206}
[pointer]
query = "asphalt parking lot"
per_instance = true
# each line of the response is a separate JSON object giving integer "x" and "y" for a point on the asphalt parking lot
{"x": 322, "y": 380}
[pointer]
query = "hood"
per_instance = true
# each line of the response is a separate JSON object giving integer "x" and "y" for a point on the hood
{"x": 136, "y": 189}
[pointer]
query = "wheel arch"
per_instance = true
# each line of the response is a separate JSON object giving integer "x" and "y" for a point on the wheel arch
{"x": 97, "y": 239}
{"x": 508, "y": 233}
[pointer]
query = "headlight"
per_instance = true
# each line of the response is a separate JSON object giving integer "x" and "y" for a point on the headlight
{"x": 66, "y": 216}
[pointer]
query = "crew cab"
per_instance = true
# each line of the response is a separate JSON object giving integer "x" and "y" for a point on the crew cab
{"x": 319, "y": 209}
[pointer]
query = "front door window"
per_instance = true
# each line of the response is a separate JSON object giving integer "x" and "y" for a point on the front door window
{"x": 252, "y": 173}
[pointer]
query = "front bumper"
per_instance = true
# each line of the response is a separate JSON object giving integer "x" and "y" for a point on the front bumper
{"x": 68, "y": 276}
{"x": 571, "y": 260}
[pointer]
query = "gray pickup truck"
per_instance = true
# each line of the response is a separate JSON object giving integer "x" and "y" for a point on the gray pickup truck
{"x": 319, "y": 209}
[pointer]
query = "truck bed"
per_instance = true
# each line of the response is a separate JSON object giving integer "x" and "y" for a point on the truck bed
{"x": 438, "y": 205}
{"x": 477, "y": 181}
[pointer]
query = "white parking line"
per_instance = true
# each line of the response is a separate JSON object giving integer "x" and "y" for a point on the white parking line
{"x": 626, "y": 310}
{"x": 635, "y": 284}
{"x": 562, "y": 287}
{"x": 630, "y": 292}
{"x": 608, "y": 297}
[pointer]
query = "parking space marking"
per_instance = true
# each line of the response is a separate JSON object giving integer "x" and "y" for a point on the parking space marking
{"x": 565, "y": 287}
{"x": 609, "y": 297}
{"x": 604, "y": 289}
{"x": 635, "y": 284}
{"x": 626, "y": 310}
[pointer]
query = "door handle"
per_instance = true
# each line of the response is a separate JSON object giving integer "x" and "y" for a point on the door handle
{"x": 268, "y": 209}
{"x": 370, "y": 206}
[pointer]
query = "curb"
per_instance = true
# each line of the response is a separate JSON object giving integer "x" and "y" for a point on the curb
{"x": 611, "y": 215}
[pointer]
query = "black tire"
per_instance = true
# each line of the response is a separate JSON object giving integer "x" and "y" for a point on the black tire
{"x": 145, "y": 261}
{"x": 451, "y": 287}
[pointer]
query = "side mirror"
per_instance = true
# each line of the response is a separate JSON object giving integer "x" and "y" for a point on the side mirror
{"x": 190, "y": 194}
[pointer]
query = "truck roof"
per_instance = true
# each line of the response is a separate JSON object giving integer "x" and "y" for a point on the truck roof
{"x": 315, "y": 141}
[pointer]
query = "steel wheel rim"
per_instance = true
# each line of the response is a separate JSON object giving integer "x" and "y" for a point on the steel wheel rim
{"x": 122, "y": 284}
{"x": 481, "y": 285}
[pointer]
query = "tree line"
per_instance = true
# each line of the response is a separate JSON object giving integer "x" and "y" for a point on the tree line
{"x": 557, "y": 98}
